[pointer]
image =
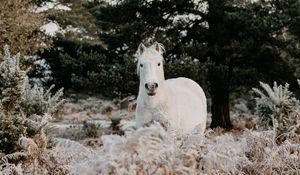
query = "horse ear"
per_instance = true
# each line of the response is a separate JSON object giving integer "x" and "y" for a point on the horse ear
{"x": 141, "y": 49}
{"x": 158, "y": 47}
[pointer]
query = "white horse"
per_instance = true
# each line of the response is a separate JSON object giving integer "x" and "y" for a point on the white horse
{"x": 180, "y": 101}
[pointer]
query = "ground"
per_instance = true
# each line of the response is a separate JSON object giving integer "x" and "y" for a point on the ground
{"x": 104, "y": 141}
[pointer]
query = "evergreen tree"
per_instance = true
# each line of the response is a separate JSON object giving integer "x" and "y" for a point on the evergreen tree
{"x": 232, "y": 37}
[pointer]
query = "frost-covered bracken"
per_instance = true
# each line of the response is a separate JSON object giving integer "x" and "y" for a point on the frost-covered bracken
{"x": 41, "y": 100}
{"x": 274, "y": 100}
{"x": 278, "y": 106}
{"x": 153, "y": 150}
{"x": 11, "y": 78}
{"x": 18, "y": 95}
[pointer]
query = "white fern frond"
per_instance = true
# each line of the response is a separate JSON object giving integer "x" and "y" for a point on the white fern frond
{"x": 259, "y": 92}
{"x": 278, "y": 106}
{"x": 70, "y": 152}
{"x": 10, "y": 169}
{"x": 13, "y": 156}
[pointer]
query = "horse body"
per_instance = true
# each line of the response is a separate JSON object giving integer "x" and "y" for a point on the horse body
{"x": 180, "y": 101}
{"x": 190, "y": 103}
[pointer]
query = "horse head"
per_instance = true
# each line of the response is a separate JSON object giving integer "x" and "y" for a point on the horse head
{"x": 150, "y": 67}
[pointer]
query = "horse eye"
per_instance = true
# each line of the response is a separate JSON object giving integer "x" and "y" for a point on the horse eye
{"x": 158, "y": 64}
{"x": 141, "y": 65}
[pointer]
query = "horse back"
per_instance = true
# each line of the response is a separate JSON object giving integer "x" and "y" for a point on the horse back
{"x": 187, "y": 87}
{"x": 189, "y": 100}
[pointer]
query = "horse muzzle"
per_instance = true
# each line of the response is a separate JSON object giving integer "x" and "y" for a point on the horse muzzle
{"x": 151, "y": 88}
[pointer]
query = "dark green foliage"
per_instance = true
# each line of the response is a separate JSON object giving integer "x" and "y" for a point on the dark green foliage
{"x": 241, "y": 37}
{"x": 186, "y": 67}
{"x": 78, "y": 19}
{"x": 237, "y": 36}
{"x": 293, "y": 10}
{"x": 92, "y": 69}
{"x": 247, "y": 40}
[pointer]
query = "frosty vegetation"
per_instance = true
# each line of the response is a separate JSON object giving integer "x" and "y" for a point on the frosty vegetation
{"x": 25, "y": 111}
{"x": 93, "y": 42}
{"x": 26, "y": 147}
{"x": 271, "y": 148}
{"x": 279, "y": 108}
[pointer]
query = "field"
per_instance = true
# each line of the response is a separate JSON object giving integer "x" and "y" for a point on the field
{"x": 93, "y": 136}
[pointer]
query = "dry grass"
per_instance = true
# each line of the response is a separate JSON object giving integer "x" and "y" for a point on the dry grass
{"x": 247, "y": 149}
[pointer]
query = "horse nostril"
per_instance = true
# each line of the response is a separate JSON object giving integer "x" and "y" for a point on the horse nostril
{"x": 151, "y": 86}
{"x": 146, "y": 86}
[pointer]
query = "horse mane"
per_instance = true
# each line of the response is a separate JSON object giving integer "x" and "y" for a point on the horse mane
{"x": 155, "y": 48}
{"x": 158, "y": 46}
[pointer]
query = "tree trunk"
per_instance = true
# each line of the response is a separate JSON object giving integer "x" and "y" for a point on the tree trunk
{"x": 219, "y": 90}
{"x": 218, "y": 75}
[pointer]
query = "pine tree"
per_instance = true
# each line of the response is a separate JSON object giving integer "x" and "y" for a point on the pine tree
{"x": 233, "y": 37}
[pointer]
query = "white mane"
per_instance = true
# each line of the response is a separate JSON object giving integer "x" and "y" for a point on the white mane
{"x": 181, "y": 101}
